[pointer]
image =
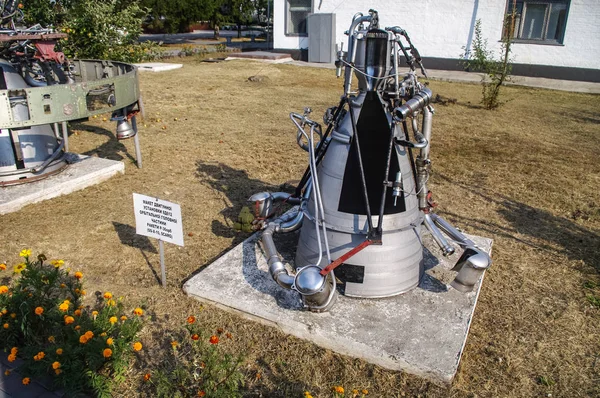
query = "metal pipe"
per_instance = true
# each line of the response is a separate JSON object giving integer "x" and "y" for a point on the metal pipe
{"x": 385, "y": 179}
{"x": 437, "y": 235}
{"x": 452, "y": 232}
{"x": 426, "y": 130}
{"x": 65, "y": 136}
{"x": 360, "y": 167}
{"x": 350, "y": 58}
{"x": 276, "y": 268}
{"x": 52, "y": 157}
{"x": 136, "y": 142}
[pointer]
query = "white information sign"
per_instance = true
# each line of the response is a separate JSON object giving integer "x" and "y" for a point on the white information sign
{"x": 158, "y": 219}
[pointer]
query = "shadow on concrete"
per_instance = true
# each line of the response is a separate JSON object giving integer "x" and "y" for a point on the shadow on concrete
{"x": 574, "y": 241}
{"x": 128, "y": 236}
{"x": 111, "y": 149}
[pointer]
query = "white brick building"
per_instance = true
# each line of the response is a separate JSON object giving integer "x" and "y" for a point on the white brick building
{"x": 554, "y": 38}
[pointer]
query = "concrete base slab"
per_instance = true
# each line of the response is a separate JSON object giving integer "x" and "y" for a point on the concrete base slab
{"x": 421, "y": 332}
{"x": 264, "y": 56}
{"x": 157, "y": 66}
{"x": 83, "y": 171}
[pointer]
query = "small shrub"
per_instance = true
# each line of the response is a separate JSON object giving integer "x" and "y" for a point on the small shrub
{"x": 196, "y": 366}
{"x": 43, "y": 323}
{"x": 480, "y": 59}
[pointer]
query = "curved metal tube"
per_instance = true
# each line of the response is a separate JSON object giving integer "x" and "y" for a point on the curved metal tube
{"x": 452, "y": 232}
{"x": 437, "y": 235}
{"x": 276, "y": 268}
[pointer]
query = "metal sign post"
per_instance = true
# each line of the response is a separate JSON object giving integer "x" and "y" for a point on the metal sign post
{"x": 158, "y": 219}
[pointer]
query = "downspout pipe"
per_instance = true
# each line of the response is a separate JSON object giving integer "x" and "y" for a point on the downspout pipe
{"x": 276, "y": 268}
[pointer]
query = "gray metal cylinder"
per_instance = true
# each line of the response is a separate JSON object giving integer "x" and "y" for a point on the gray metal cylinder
{"x": 392, "y": 268}
{"x": 26, "y": 153}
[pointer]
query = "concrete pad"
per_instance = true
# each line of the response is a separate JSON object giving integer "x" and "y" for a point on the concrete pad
{"x": 82, "y": 172}
{"x": 157, "y": 66}
{"x": 421, "y": 332}
{"x": 264, "y": 56}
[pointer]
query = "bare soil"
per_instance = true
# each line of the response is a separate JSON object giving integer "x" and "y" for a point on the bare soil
{"x": 526, "y": 175}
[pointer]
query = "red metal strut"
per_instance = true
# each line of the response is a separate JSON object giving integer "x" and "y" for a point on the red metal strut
{"x": 334, "y": 264}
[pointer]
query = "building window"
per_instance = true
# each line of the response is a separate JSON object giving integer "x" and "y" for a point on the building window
{"x": 296, "y": 13}
{"x": 538, "y": 21}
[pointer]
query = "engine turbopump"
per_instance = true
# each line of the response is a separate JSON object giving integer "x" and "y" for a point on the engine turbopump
{"x": 364, "y": 195}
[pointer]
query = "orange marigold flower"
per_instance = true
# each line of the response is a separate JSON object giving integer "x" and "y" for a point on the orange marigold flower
{"x": 6, "y": 372}
{"x": 57, "y": 371}
{"x": 4, "y": 311}
{"x": 94, "y": 314}
{"x": 174, "y": 344}
{"x": 201, "y": 393}
{"x": 39, "y": 311}
{"x": 89, "y": 334}
{"x": 214, "y": 339}
{"x": 138, "y": 311}
{"x": 191, "y": 319}
{"x": 64, "y": 306}
{"x": 103, "y": 334}
{"x": 56, "y": 365}
{"x": 137, "y": 346}
{"x": 195, "y": 337}
{"x": 107, "y": 353}
{"x": 6, "y": 326}
{"x": 365, "y": 392}
{"x": 108, "y": 295}
{"x": 113, "y": 320}
{"x": 62, "y": 285}
{"x": 51, "y": 339}
{"x": 83, "y": 292}
{"x": 13, "y": 315}
{"x": 339, "y": 389}
{"x": 2, "y": 267}
{"x": 3, "y": 289}
{"x": 111, "y": 303}
{"x": 69, "y": 320}
{"x": 77, "y": 291}
{"x": 78, "y": 275}
{"x": 12, "y": 357}
{"x": 147, "y": 377}
{"x": 109, "y": 341}
{"x": 77, "y": 327}
{"x": 123, "y": 318}
{"x": 14, "y": 350}
{"x": 59, "y": 351}
{"x": 40, "y": 355}
{"x": 26, "y": 380}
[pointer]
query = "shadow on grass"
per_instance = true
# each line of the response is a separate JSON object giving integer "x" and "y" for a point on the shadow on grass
{"x": 127, "y": 236}
{"x": 575, "y": 241}
{"x": 237, "y": 187}
{"x": 111, "y": 149}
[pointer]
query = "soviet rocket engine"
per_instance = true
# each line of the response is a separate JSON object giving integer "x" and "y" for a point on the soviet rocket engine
{"x": 364, "y": 195}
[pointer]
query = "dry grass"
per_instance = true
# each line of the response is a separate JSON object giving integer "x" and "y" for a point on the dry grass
{"x": 526, "y": 175}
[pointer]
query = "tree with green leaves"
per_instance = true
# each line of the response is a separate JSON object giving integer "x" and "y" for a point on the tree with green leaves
{"x": 175, "y": 16}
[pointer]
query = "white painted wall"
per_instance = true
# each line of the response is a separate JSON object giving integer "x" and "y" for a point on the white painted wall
{"x": 441, "y": 28}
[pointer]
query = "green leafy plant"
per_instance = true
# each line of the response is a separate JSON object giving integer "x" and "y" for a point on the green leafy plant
{"x": 85, "y": 350}
{"x": 197, "y": 366}
{"x": 496, "y": 71}
{"x": 107, "y": 29}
